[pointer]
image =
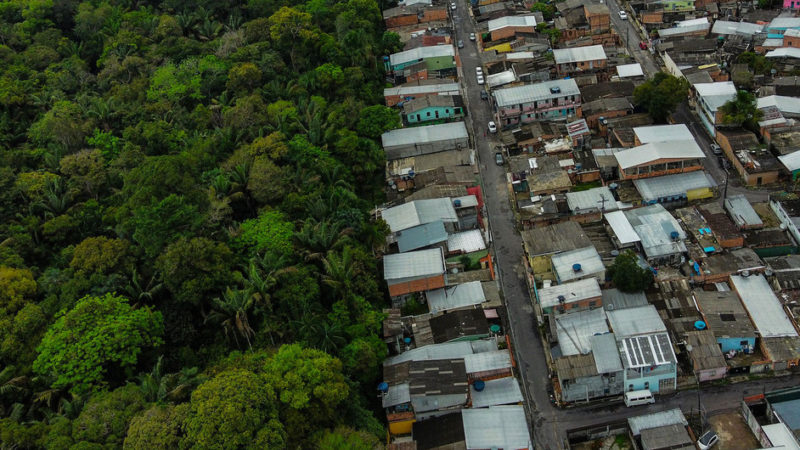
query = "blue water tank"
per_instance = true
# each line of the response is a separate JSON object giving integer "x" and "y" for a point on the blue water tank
{"x": 407, "y": 340}
{"x": 479, "y": 385}
{"x": 674, "y": 234}
{"x": 700, "y": 325}
{"x": 383, "y": 386}
{"x": 457, "y": 203}
{"x": 576, "y": 267}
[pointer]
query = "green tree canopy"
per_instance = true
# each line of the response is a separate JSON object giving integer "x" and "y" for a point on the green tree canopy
{"x": 741, "y": 110}
{"x": 100, "y": 334}
{"x": 661, "y": 95}
{"x": 628, "y": 275}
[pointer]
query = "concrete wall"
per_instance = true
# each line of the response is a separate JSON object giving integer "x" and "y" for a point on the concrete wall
{"x": 733, "y": 343}
{"x": 653, "y": 381}
{"x": 400, "y": 21}
{"x": 712, "y": 374}
{"x": 659, "y": 168}
{"x": 434, "y": 113}
{"x": 507, "y": 32}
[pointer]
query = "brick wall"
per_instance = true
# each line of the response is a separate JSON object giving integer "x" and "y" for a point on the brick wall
{"x": 424, "y": 284}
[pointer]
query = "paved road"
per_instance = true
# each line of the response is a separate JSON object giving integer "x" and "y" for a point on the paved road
{"x": 549, "y": 424}
{"x": 631, "y": 38}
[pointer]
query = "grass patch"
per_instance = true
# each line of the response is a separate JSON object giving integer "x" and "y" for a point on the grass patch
{"x": 585, "y": 186}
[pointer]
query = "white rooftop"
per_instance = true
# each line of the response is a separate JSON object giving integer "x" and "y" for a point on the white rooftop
{"x": 716, "y": 94}
{"x": 655, "y": 227}
{"x": 763, "y": 306}
{"x": 433, "y": 51}
{"x": 501, "y": 78}
{"x": 572, "y": 292}
{"x": 443, "y": 88}
{"x": 780, "y": 436}
{"x": 663, "y": 133}
{"x": 791, "y": 161}
{"x": 409, "y": 265}
{"x": 685, "y": 27}
{"x": 512, "y": 21}
{"x": 622, "y": 227}
{"x": 466, "y": 241}
{"x": 784, "y": 22}
{"x": 502, "y": 391}
{"x": 447, "y": 350}
{"x": 397, "y": 395}
{"x": 654, "y": 151}
{"x": 427, "y": 133}
{"x": 453, "y": 297}
{"x": 785, "y": 104}
{"x": 503, "y": 427}
{"x": 587, "y": 257}
{"x": 784, "y": 52}
{"x": 419, "y": 212}
{"x": 792, "y": 32}
{"x": 579, "y": 54}
{"x": 677, "y": 185}
{"x": 635, "y": 321}
{"x": 530, "y": 93}
{"x": 606, "y": 353}
{"x": 743, "y": 28}
{"x": 487, "y": 361}
{"x": 595, "y": 198}
{"x": 656, "y": 420}
{"x": 576, "y": 329}
{"x": 630, "y": 70}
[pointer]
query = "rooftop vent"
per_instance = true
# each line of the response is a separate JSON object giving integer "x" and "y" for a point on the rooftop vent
{"x": 576, "y": 267}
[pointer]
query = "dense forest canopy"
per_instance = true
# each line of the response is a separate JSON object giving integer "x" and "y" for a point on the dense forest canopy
{"x": 187, "y": 258}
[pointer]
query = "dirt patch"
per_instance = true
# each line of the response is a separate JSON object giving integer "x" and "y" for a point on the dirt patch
{"x": 733, "y": 432}
{"x": 766, "y": 214}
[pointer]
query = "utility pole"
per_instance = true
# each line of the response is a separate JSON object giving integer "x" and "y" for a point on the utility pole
{"x": 725, "y": 190}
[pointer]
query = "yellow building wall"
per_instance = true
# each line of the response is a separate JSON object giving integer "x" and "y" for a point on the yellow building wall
{"x": 399, "y": 428}
{"x": 697, "y": 194}
{"x": 500, "y": 48}
{"x": 542, "y": 268}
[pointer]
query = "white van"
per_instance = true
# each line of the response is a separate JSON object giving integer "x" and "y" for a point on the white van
{"x": 635, "y": 398}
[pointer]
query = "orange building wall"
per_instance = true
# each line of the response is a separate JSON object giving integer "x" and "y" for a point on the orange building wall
{"x": 416, "y": 286}
{"x": 791, "y": 41}
{"x": 400, "y": 21}
{"x": 433, "y": 14}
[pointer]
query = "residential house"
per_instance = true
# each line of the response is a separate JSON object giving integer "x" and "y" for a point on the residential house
{"x": 570, "y": 297}
{"x": 620, "y": 230}
{"x": 645, "y": 349}
{"x": 503, "y": 427}
{"x": 718, "y": 267}
{"x": 788, "y": 212}
{"x": 457, "y": 297}
{"x": 508, "y": 26}
{"x": 707, "y": 361}
{"x": 677, "y": 189}
{"x": 548, "y": 100}
{"x": 684, "y": 28}
{"x": 709, "y": 97}
{"x": 428, "y": 108}
{"x": 578, "y": 60}
{"x": 725, "y": 316}
{"x": 792, "y": 164}
{"x": 436, "y": 61}
{"x": 730, "y": 28}
{"x": 422, "y": 236}
{"x": 548, "y": 176}
{"x": 661, "y": 133}
{"x": 779, "y": 25}
{"x": 405, "y": 142}
{"x": 630, "y": 72}
{"x": 755, "y": 163}
{"x": 417, "y": 271}
{"x": 584, "y": 377}
{"x": 786, "y": 276}
{"x": 661, "y": 237}
{"x": 660, "y": 158}
{"x": 665, "y": 430}
{"x": 698, "y": 228}
{"x": 578, "y": 264}
{"x": 780, "y": 342}
{"x": 420, "y": 212}
{"x": 723, "y": 229}
{"x": 742, "y": 212}
{"x": 591, "y": 201}
{"x": 398, "y": 95}
{"x": 542, "y": 243}
{"x": 405, "y": 15}
{"x": 605, "y": 108}
{"x": 574, "y": 331}
{"x": 500, "y": 391}
{"x": 598, "y": 17}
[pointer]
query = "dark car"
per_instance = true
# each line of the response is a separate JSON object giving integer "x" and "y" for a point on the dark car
{"x": 498, "y": 158}
{"x": 484, "y": 95}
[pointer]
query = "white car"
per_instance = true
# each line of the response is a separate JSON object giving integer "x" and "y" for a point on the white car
{"x": 492, "y": 127}
{"x": 707, "y": 440}
{"x": 472, "y": 36}
{"x": 479, "y": 70}
{"x": 480, "y": 79}
{"x": 623, "y": 15}
{"x": 453, "y": 6}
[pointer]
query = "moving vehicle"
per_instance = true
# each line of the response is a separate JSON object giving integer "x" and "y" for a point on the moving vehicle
{"x": 460, "y": 43}
{"x": 472, "y": 36}
{"x": 707, "y": 440}
{"x": 623, "y": 15}
{"x": 635, "y": 398}
{"x": 484, "y": 95}
{"x": 716, "y": 149}
{"x": 492, "y": 127}
{"x": 498, "y": 158}
{"x": 480, "y": 79}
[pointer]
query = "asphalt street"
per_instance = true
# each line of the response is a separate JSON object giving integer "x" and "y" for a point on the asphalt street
{"x": 548, "y": 423}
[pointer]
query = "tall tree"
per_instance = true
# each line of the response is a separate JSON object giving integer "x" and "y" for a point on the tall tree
{"x": 661, "y": 95}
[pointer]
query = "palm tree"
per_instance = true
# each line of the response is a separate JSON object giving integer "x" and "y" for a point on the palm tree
{"x": 159, "y": 387}
{"x": 142, "y": 293}
{"x": 232, "y": 312}
{"x": 340, "y": 269}
{"x": 318, "y": 238}
{"x": 329, "y": 337}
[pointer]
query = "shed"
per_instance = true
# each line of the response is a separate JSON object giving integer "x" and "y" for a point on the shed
{"x": 635, "y": 321}
{"x": 496, "y": 427}
{"x": 638, "y": 424}
{"x": 414, "y": 271}
{"x": 763, "y": 306}
{"x": 578, "y": 264}
{"x": 742, "y": 212}
{"x": 463, "y": 295}
{"x": 419, "y": 212}
{"x": 421, "y": 236}
{"x": 405, "y": 142}
{"x": 502, "y": 391}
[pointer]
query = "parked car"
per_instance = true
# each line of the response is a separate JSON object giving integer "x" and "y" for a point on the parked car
{"x": 479, "y": 70}
{"x": 643, "y": 45}
{"x": 484, "y": 95}
{"x": 492, "y": 127}
{"x": 472, "y": 36}
{"x": 623, "y": 15}
{"x": 498, "y": 158}
{"x": 716, "y": 149}
{"x": 707, "y": 440}
{"x": 460, "y": 43}
{"x": 453, "y": 6}
{"x": 480, "y": 79}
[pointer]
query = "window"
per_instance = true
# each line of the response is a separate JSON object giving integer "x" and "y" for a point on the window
{"x": 630, "y": 387}
{"x": 429, "y": 113}
{"x": 592, "y": 304}
{"x": 647, "y": 385}
{"x": 744, "y": 343}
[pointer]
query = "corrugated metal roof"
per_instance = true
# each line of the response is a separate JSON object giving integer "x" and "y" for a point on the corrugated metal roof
{"x": 652, "y": 189}
{"x": 647, "y": 153}
{"x": 614, "y": 299}
{"x": 635, "y": 321}
{"x": 587, "y": 257}
{"x": 595, "y": 198}
{"x": 428, "y": 133}
{"x": 502, "y": 391}
{"x": 419, "y": 212}
{"x": 685, "y": 27}
{"x": 458, "y": 296}
{"x": 716, "y": 94}
{"x": 466, "y": 201}
{"x": 772, "y": 42}
{"x": 763, "y": 306}
{"x": 622, "y": 227}
{"x": 780, "y": 436}
{"x": 433, "y": 51}
{"x": 572, "y": 292}
{"x": 784, "y": 22}
{"x": 578, "y": 128}
{"x": 421, "y": 236}
{"x": 784, "y": 52}
{"x": 579, "y": 54}
{"x": 448, "y": 350}
{"x": 466, "y": 241}
{"x": 740, "y": 209}
{"x": 501, "y": 78}
{"x": 655, "y": 226}
{"x": 512, "y": 21}
{"x": 421, "y": 263}
{"x": 397, "y": 395}
{"x": 663, "y": 133}
{"x": 530, "y": 93}
{"x": 743, "y": 28}
{"x": 630, "y": 70}
{"x": 487, "y": 361}
{"x": 655, "y": 420}
{"x": 792, "y": 32}
{"x": 791, "y": 161}
{"x": 496, "y": 427}
{"x": 785, "y": 104}
{"x": 606, "y": 353}
{"x": 444, "y": 88}
{"x": 672, "y": 436}
{"x": 575, "y": 330}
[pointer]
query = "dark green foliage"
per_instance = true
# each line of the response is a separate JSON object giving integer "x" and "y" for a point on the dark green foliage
{"x": 628, "y": 275}
{"x": 742, "y": 110}
{"x": 661, "y": 95}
